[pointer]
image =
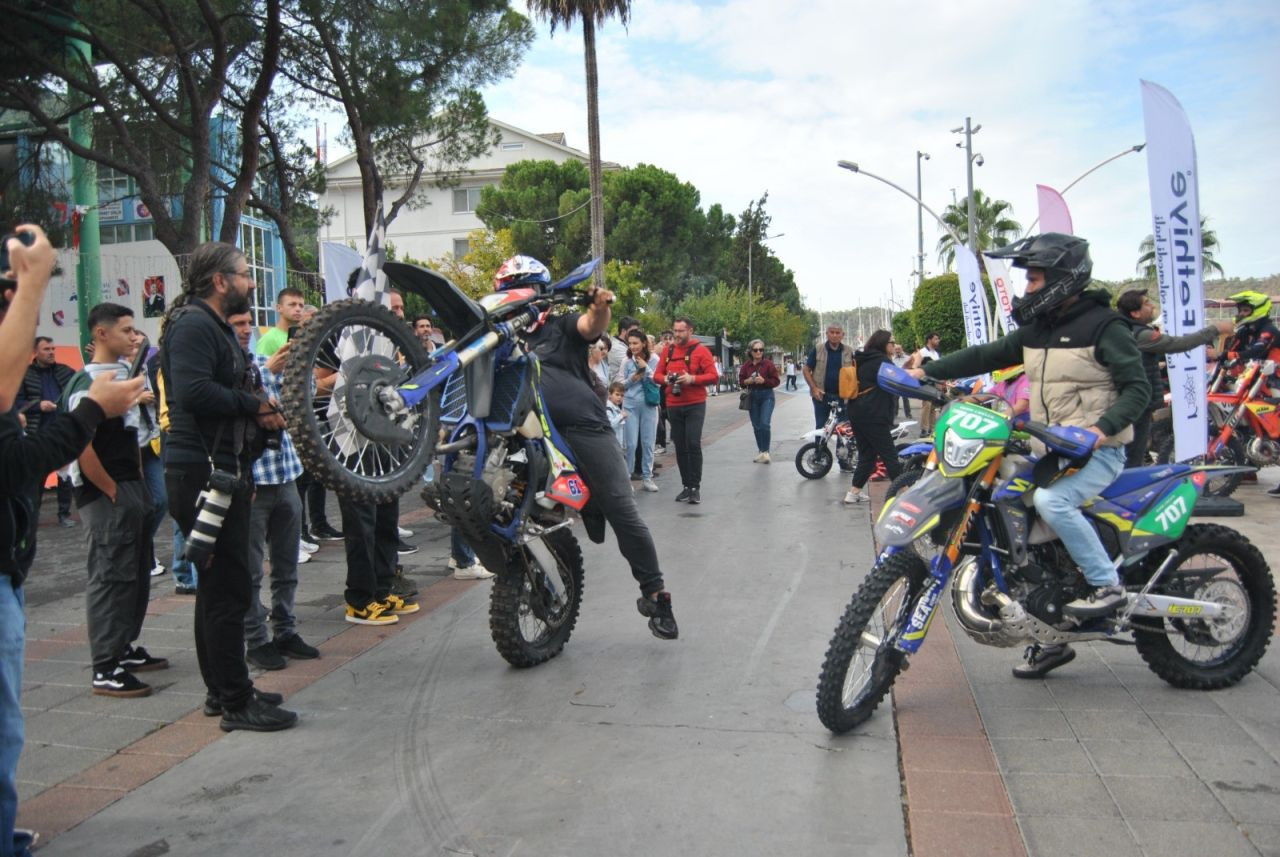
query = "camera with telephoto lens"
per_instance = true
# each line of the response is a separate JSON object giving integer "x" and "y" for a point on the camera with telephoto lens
{"x": 211, "y": 509}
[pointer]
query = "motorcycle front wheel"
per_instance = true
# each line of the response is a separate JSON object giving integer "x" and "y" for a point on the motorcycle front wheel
{"x": 339, "y": 367}
{"x": 863, "y": 660}
{"x": 1215, "y": 563}
{"x": 531, "y": 617}
{"x": 814, "y": 460}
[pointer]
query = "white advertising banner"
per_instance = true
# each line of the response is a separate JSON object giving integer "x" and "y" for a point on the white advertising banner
{"x": 337, "y": 261}
{"x": 1175, "y": 216}
{"x": 973, "y": 297}
{"x": 1002, "y": 287}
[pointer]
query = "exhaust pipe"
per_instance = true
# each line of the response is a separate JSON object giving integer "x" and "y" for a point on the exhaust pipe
{"x": 967, "y": 601}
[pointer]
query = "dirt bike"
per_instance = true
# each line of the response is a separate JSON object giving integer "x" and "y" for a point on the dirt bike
{"x": 1244, "y": 427}
{"x": 507, "y": 480}
{"x": 1201, "y": 603}
{"x": 814, "y": 459}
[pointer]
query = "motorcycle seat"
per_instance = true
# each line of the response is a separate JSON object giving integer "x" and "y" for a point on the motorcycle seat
{"x": 1136, "y": 478}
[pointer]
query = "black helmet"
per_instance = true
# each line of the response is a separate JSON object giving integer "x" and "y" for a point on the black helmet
{"x": 1067, "y": 270}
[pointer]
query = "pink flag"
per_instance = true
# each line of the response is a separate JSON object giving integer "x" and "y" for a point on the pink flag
{"x": 1054, "y": 216}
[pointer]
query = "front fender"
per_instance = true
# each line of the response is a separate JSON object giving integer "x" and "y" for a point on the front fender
{"x": 916, "y": 511}
{"x": 815, "y": 434}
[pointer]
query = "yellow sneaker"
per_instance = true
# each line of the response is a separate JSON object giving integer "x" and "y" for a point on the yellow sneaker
{"x": 397, "y": 605}
{"x": 376, "y": 613}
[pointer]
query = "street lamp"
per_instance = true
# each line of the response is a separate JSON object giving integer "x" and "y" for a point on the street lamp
{"x": 1095, "y": 167}
{"x": 854, "y": 168}
{"x": 968, "y": 132}
{"x": 751, "y": 252}
{"x": 920, "y": 156}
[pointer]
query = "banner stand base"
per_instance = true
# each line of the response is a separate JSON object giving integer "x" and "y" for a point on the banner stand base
{"x": 1217, "y": 507}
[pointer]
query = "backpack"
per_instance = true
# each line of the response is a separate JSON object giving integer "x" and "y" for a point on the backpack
{"x": 849, "y": 388}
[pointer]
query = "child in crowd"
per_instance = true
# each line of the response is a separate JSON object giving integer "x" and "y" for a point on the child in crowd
{"x": 617, "y": 416}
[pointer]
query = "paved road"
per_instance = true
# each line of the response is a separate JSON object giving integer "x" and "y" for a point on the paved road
{"x": 431, "y": 744}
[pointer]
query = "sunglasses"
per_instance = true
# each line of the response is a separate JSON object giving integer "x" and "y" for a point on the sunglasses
{"x": 757, "y": 350}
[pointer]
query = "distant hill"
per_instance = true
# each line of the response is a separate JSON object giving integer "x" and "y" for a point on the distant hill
{"x": 1213, "y": 289}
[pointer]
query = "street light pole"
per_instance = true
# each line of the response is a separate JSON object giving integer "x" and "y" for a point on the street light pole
{"x": 969, "y": 130}
{"x": 920, "y": 156}
{"x": 1086, "y": 173}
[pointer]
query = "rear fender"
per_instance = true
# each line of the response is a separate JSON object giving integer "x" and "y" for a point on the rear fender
{"x": 917, "y": 510}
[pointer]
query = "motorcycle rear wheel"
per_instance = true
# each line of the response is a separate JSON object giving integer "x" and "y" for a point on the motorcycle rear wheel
{"x": 331, "y": 436}
{"x": 527, "y": 629}
{"x": 1215, "y": 563}
{"x": 862, "y": 661}
{"x": 814, "y": 460}
{"x": 1232, "y": 453}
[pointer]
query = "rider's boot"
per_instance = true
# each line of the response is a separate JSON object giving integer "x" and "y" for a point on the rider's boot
{"x": 1041, "y": 660}
{"x": 1101, "y": 601}
{"x": 662, "y": 622}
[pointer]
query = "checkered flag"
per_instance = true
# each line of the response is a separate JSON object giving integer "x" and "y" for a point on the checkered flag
{"x": 371, "y": 282}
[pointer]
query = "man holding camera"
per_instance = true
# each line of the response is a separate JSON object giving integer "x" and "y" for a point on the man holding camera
{"x": 686, "y": 367}
{"x": 26, "y": 264}
{"x": 217, "y": 420}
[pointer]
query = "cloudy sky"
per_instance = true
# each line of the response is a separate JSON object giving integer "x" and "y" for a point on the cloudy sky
{"x": 744, "y": 96}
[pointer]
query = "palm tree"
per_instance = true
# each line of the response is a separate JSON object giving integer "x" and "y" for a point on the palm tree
{"x": 1208, "y": 245}
{"x": 994, "y": 226}
{"x": 591, "y": 13}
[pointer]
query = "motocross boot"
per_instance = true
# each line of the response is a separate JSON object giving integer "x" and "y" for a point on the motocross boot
{"x": 1041, "y": 660}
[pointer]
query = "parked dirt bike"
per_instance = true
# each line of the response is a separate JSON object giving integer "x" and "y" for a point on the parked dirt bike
{"x": 1202, "y": 601}
{"x": 507, "y": 483}
{"x": 814, "y": 458}
{"x": 1244, "y": 428}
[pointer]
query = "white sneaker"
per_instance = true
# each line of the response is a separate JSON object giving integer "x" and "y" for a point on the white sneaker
{"x": 158, "y": 570}
{"x": 852, "y": 497}
{"x": 405, "y": 534}
{"x": 309, "y": 547}
{"x": 303, "y": 556}
{"x": 649, "y": 485}
{"x": 475, "y": 571}
{"x": 763, "y": 458}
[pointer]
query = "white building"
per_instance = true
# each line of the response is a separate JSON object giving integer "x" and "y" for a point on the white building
{"x": 441, "y": 225}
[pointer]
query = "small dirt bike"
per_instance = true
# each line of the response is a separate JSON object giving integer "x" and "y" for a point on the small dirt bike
{"x": 1244, "y": 427}
{"x": 508, "y": 482}
{"x": 1202, "y": 601}
{"x": 814, "y": 458}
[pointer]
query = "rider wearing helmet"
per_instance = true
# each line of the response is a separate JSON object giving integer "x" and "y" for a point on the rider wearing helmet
{"x": 1257, "y": 337}
{"x": 578, "y": 413}
{"x": 1013, "y": 385}
{"x": 1085, "y": 371}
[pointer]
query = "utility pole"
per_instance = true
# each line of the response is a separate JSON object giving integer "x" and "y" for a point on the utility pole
{"x": 920, "y": 156}
{"x": 84, "y": 196}
{"x": 969, "y": 130}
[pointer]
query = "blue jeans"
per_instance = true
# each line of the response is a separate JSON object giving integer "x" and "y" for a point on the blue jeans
{"x": 461, "y": 552}
{"x": 822, "y": 410}
{"x": 761, "y": 411}
{"x": 153, "y": 475}
{"x": 1059, "y": 505}
{"x": 641, "y": 428}
{"x": 13, "y": 634}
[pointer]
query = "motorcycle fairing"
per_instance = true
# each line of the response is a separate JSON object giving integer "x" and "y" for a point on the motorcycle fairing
{"x": 917, "y": 510}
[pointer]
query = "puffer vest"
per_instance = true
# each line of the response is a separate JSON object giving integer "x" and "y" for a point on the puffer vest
{"x": 1069, "y": 385}
{"x": 820, "y": 360}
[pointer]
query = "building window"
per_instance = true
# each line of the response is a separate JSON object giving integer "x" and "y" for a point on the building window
{"x": 256, "y": 244}
{"x": 113, "y": 187}
{"x": 512, "y": 147}
{"x": 465, "y": 199}
{"x": 144, "y": 231}
{"x": 461, "y": 247}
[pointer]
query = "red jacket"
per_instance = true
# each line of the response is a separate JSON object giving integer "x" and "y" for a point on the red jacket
{"x": 695, "y": 360}
{"x": 767, "y": 371}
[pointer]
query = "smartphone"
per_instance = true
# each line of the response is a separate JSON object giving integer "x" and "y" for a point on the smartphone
{"x": 140, "y": 359}
{"x": 293, "y": 332}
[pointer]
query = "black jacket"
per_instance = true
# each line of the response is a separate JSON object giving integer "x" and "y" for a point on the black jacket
{"x": 32, "y": 390}
{"x": 25, "y": 461}
{"x": 875, "y": 406}
{"x": 208, "y": 384}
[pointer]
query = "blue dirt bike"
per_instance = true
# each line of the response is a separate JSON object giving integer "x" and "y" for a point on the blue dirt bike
{"x": 369, "y": 410}
{"x": 1201, "y": 603}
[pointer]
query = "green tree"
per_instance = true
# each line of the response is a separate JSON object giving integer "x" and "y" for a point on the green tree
{"x": 473, "y": 273}
{"x": 1208, "y": 246}
{"x": 652, "y": 218}
{"x": 591, "y": 14}
{"x": 904, "y": 331}
{"x": 407, "y": 77}
{"x": 993, "y": 223}
{"x": 769, "y": 278}
{"x": 726, "y": 309}
{"x": 936, "y": 307}
{"x": 535, "y": 200}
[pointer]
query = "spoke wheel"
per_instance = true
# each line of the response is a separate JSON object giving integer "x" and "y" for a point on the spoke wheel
{"x": 814, "y": 460}
{"x": 358, "y": 437}
{"x": 1215, "y": 564}
{"x": 531, "y": 618}
{"x": 863, "y": 659}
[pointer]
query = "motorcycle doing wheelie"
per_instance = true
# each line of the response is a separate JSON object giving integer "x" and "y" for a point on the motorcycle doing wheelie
{"x": 1201, "y": 603}
{"x": 507, "y": 481}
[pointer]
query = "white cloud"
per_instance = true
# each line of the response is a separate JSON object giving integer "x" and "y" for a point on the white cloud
{"x": 750, "y": 95}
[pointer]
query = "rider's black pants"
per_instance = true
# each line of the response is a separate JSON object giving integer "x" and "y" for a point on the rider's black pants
{"x": 599, "y": 460}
